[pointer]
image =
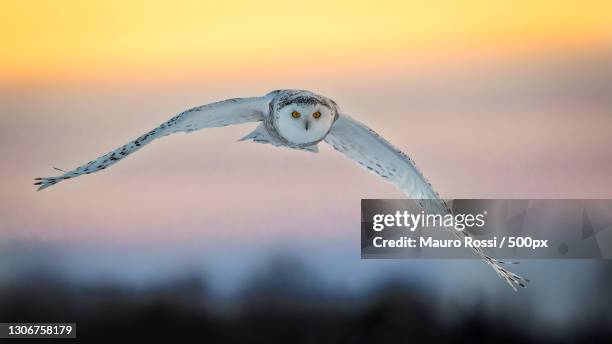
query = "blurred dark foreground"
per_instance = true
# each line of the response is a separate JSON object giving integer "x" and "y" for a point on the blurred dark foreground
{"x": 284, "y": 304}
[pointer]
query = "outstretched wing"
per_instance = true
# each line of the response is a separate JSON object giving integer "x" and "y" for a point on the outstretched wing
{"x": 219, "y": 114}
{"x": 378, "y": 156}
{"x": 372, "y": 152}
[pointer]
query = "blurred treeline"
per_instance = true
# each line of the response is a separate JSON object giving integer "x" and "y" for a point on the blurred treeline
{"x": 284, "y": 302}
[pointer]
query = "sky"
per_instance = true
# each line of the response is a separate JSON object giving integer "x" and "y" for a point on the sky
{"x": 503, "y": 100}
{"x": 61, "y": 40}
{"x": 491, "y": 99}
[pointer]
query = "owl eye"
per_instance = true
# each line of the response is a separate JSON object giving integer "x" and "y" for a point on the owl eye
{"x": 296, "y": 114}
{"x": 316, "y": 114}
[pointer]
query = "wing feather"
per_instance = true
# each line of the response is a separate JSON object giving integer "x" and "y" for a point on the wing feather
{"x": 219, "y": 114}
{"x": 378, "y": 156}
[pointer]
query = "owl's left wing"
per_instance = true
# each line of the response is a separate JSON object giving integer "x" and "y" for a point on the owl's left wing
{"x": 374, "y": 153}
{"x": 377, "y": 155}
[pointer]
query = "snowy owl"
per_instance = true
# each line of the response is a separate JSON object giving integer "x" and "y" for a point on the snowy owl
{"x": 300, "y": 120}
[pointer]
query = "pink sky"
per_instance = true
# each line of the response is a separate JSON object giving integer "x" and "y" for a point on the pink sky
{"x": 510, "y": 129}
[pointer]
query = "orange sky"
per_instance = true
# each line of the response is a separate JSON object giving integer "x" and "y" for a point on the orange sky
{"x": 110, "y": 39}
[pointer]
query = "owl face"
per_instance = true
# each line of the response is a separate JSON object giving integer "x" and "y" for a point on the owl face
{"x": 305, "y": 119}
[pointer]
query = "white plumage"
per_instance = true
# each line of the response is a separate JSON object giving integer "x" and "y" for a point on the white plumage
{"x": 300, "y": 120}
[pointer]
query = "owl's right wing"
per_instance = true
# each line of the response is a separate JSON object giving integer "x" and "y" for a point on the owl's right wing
{"x": 377, "y": 155}
{"x": 219, "y": 114}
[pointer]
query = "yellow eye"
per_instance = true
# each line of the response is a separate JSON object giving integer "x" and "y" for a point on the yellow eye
{"x": 296, "y": 114}
{"x": 316, "y": 114}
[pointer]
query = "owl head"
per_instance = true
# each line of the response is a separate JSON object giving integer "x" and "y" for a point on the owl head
{"x": 301, "y": 118}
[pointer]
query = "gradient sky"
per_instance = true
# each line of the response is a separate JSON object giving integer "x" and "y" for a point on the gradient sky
{"x": 115, "y": 39}
{"x": 491, "y": 99}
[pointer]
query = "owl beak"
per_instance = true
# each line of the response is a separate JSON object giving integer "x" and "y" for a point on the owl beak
{"x": 306, "y": 124}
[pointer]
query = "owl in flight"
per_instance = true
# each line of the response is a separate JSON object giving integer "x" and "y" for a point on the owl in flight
{"x": 300, "y": 120}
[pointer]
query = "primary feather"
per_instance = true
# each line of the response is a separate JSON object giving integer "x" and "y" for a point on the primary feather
{"x": 219, "y": 114}
{"x": 377, "y": 155}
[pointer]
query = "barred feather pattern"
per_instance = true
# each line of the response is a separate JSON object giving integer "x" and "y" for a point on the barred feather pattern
{"x": 219, "y": 114}
{"x": 378, "y": 156}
